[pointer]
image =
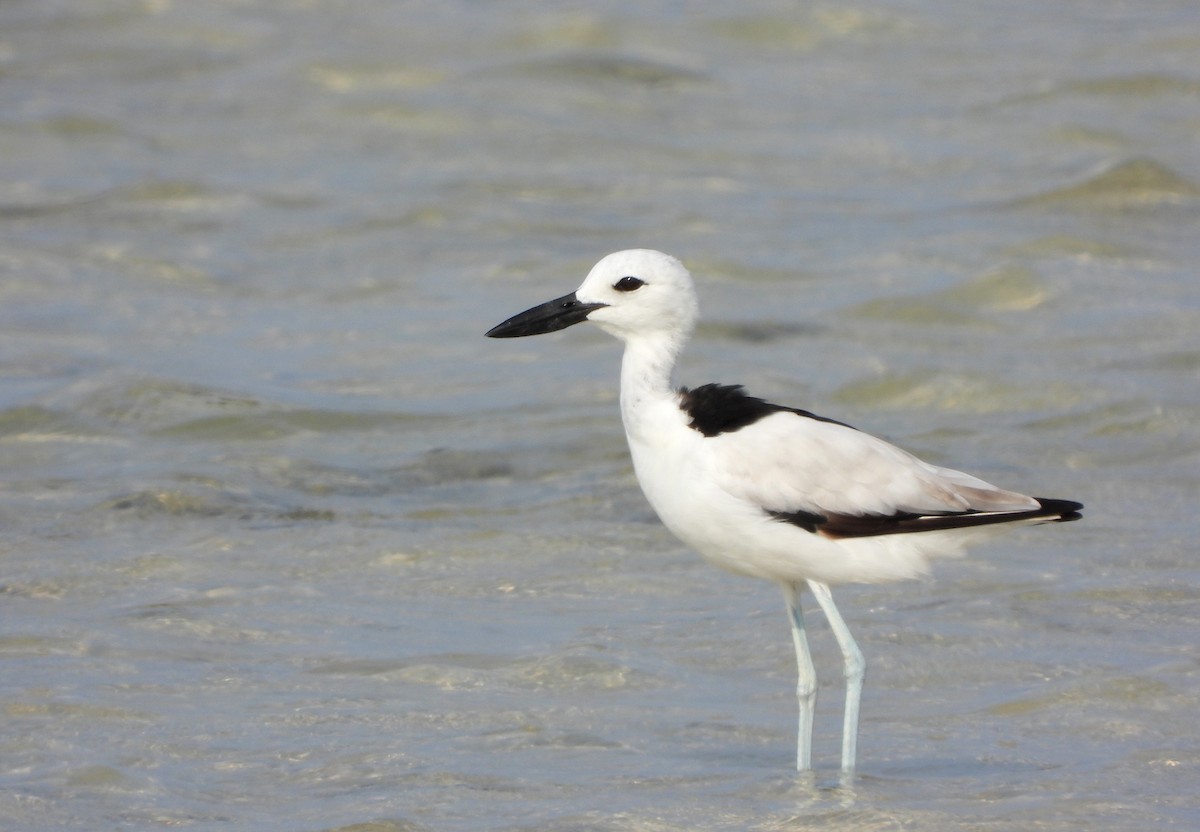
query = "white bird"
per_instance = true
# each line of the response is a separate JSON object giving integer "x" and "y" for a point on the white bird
{"x": 766, "y": 490}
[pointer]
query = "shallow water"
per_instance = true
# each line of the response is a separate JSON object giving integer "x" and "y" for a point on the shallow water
{"x": 289, "y": 544}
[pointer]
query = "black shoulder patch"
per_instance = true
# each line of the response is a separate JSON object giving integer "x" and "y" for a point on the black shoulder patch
{"x": 714, "y": 409}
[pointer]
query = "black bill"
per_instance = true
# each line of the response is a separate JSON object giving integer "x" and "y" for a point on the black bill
{"x": 551, "y": 316}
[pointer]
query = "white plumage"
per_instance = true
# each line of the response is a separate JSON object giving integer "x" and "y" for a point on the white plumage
{"x": 770, "y": 491}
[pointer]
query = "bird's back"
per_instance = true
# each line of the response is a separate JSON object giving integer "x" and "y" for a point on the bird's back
{"x": 784, "y": 494}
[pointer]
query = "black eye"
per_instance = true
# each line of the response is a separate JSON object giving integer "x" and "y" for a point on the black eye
{"x": 629, "y": 284}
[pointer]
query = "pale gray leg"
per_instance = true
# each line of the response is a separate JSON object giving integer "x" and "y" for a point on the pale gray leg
{"x": 806, "y": 686}
{"x": 856, "y": 668}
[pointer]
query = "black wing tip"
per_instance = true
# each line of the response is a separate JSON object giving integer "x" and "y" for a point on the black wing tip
{"x": 839, "y": 526}
{"x": 1067, "y": 510}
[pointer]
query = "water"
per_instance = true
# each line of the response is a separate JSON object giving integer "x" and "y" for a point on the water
{"x": 288, "y": 544}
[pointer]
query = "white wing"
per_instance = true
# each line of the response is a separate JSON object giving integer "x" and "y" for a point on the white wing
{"x": 788, "y": 463}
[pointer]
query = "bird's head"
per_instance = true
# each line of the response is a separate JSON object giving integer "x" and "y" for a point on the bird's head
{"x": 628, "y": 294}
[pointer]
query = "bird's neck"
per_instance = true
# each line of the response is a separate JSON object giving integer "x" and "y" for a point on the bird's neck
{"x": 646, "y": 369}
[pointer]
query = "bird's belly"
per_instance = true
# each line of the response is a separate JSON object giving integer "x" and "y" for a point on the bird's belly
{"x": 727, "y": 531}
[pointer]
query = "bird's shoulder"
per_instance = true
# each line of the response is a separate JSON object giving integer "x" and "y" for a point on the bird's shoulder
{"x": 715, "y": 409}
